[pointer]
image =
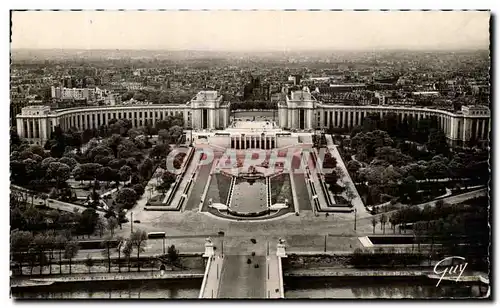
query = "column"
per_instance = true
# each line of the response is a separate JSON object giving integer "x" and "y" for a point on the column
{"x": 20, "y": 127}
{"x": 478, "y": 129}
{"x": 484, "y": 135}
{"x": 212, "y": 118}
{"x": 359, "y": 118}
{"x": 289, "y": 117}
{"x": 344, "y": 123}
{"x": 28, "y": 121}
{"x": 309, "y": 118}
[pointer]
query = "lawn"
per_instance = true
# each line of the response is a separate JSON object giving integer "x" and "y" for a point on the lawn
{"x": 281, "y": 189}
{"x": 219, "y": 188}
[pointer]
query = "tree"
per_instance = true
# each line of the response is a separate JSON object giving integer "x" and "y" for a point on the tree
{"x": 367, "y": 143}
{"x": 374, "y": 223}
{"x": 47, "y": 161}
{"x": 437, "y": 142}
{"x": 167, "y": 179}
{"x": 350, "y": 195}
{"x": 106, "y": 251}
{"x": 125, "y": 172}
{"x": 146, "y": 168}
{"x": 108, "y": 175}
{"x": 41, "y": 243}
{"x": 173, "y": 255}
{"x": 133, "y": 132}
{"x": 112, "y": 225}
{"x": 353, "y": 166}
{"x": 70, "y": 251}
{"x": 393, "y": 220}
{"x": 89, "y": 262}
{"x": 60, "y": 243}
{"x": 127, "y": 252}
{"x": 59, "y": 172}
{"x": 19, "y": 243}
{"x": 138, "y": 240}
{"x": 87, "y": 172}
{"x": 175, "y": 132}
{"x": 126, "y": 197}
{"x": 164, "y": 136}
{"x": 139, "y": 96}
{"x": 409, "y": 187}
{"x": 383, "y": 221}
{"x": 69, "y": 161}
{"x": 88, "y": 221}
{"x": 119, "y": 247}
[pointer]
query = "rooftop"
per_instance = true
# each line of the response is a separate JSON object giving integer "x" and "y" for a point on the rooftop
{"x": 300, "y": 95}
{"x": 207, "y": 96}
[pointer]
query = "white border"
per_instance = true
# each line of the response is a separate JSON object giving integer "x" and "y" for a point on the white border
{"x": 187, "y": 4}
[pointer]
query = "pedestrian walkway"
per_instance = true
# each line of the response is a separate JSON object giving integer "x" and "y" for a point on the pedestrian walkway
{"x": 211, "y": 280}
{"x": 357, "y": 202}
{"x": 274, "y": 279}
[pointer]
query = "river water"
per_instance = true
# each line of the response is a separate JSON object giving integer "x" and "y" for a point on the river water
{"x": 295, "y": 288}
{"x": 378, "y": 287}
{"x": 134, "y": 289}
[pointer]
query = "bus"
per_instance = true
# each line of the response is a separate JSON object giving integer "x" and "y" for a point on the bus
{"x": 155, "y": 235}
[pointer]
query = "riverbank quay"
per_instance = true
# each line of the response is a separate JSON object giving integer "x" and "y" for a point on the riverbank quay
{"x": 467, "y": 276}
{"x": 101, "y": 264}
{"x": 19, "y": 282}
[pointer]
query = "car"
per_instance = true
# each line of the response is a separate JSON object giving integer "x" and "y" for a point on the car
{"x": 137, "y": 221}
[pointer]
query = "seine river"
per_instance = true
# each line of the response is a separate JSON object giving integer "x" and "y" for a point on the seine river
{"x": 145, "y": 289}
{"x": 378, "y": 287}
{"x": 340, "y": 288}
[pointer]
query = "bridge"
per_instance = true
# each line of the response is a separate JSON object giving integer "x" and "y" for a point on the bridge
{"x": 242, "y": 276}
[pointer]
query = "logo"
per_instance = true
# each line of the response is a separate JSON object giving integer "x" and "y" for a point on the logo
{"x": 450, "y": 270}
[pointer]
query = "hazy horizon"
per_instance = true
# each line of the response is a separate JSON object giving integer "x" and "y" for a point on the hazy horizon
{"x": 251, "y": 31}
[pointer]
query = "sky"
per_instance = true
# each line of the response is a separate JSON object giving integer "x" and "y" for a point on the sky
{"x": 250, "y": 30}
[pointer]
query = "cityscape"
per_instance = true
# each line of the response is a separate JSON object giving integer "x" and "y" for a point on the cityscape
{"x": 235, "y": 156}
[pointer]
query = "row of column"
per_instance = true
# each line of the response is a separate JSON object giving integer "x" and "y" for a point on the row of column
{"x": 30, "y": 128}
{"x": 253, "y": 142}
{"x": 475, "y": 129}
{"x": 349, "y": 119}
{"x": 454, "y": 128}
{"x": 94, "y": 120}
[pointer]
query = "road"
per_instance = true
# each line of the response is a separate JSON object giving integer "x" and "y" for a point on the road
{"x": 364, "y": 222}
{"x": 242, "y": 280}
{"x": 54, "y": 204}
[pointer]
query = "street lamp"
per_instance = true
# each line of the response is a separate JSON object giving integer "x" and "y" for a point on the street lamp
{"x": 131, "y": 222}
{"x": 355, "y": 212}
